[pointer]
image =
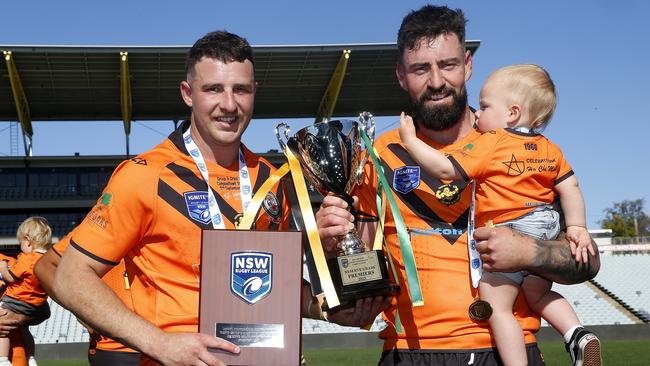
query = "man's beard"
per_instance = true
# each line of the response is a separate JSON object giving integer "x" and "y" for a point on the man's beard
{"x": 440, "y": 117}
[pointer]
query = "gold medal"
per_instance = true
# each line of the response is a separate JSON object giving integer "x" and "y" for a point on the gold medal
{"x": 480, "y": 310}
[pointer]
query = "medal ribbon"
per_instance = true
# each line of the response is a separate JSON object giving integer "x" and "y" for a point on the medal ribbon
{"x": 312, "y": 230}
{"x": 475, "y": 265}
{"x": 404, "y": 240}
{"x": 250, "y": 214}
{"x": 244, "y": 181}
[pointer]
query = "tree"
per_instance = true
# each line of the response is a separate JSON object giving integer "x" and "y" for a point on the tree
{"x": 627, "y": 218}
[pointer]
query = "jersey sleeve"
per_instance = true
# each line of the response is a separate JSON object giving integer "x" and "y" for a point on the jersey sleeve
{"x": 122, "y": 215}
{"x": 564, "y": 170}
{"x": 473, "y": 159}
{"x": 60, "y": 246}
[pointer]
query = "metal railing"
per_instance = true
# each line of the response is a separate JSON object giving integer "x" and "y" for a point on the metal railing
{"x": 631, "y": 240}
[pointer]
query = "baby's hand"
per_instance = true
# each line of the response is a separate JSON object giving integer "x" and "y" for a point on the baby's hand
{"x": 580, "y": 242}
{"x": 406, "y": 128}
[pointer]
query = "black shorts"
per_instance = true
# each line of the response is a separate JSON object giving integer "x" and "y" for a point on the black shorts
{"x": 479, "y": 357}
{"x": 98, "y": 357}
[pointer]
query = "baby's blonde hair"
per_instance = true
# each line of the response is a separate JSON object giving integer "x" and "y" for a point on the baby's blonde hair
{"x": 37, "y": 230}
{"x": 532, "y": 86}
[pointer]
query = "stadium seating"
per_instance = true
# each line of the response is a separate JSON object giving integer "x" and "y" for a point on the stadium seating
{"x": 591, "y": 308}
{"x": 626, "y": 277}
{"x": 61, "y": 327}
{"x": 312, "y": 326}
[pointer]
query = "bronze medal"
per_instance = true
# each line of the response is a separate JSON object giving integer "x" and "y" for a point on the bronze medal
{"x": 480, "y": 310}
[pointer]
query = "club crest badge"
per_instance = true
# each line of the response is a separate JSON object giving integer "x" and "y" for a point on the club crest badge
{"x": 197, "y": 206}
{"x": 406, "y": 179}
{"x": 272, "y": 207}
{"x": 448, "y": 194}
{"x": 251, "y": 275}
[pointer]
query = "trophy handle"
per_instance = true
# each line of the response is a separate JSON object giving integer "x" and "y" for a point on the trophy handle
{"x": 367, "y": 123}
{"x": 280, "y": 130}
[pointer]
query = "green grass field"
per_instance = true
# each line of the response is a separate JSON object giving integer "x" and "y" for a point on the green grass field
{"x": 615, "y": 353}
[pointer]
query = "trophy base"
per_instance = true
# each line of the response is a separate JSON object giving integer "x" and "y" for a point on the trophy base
{"x": 358, "y": 276}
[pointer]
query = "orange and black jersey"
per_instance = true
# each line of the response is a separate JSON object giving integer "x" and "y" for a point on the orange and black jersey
{"x": 515, "y": 171}
{"x": 152, "y": 213}
{"x": 436, "y": 214}
{"x": 26, "y": 287}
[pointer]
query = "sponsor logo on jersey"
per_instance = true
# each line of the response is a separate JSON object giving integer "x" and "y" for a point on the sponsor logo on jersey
{"x": 406, "y": 179}
{"x": 435, "y": 231}
{"x": 448, "y": 232}
{"x": 197, "y": 206}
{"x": 99, "y": 215}
{"x": 105, "y": 200}
{"x": 251, "y": 275}
{"x": 448, "y": 194}
{"x": 272, "y": 207}
{"x": 515, "y": 167}
{"x": 139, "y": 161}
{"x": 465, "y": 150}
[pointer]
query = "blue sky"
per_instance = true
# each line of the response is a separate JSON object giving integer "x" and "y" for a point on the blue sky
{"x": 596, "y": 52}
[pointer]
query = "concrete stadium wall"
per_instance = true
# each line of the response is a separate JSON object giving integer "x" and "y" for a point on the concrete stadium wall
{"x": 62, "y": 351}
{"x": 68, "y": 351}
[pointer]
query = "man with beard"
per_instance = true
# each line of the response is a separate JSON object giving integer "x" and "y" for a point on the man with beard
{"x": 433, "y": 69}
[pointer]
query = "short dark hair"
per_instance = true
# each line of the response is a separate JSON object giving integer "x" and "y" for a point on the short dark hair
{"x": 430, "y": 22}
{"x": 218, "y": 45}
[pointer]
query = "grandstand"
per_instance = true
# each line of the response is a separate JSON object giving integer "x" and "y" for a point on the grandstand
{"x": 85, "y": 83}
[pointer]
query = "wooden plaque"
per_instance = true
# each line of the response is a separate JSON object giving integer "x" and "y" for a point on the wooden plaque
{"x": 250, "y": 294}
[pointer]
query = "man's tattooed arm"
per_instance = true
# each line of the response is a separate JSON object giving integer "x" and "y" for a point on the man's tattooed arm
{"x": 505, "y": 250}
{"x": 553, "y": 260}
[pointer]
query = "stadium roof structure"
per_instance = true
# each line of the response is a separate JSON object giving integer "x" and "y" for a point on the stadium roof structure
{"x": 85, "y": 83}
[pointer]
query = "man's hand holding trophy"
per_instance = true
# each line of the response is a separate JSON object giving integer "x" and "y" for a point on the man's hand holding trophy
{"x": 331, "y": 156}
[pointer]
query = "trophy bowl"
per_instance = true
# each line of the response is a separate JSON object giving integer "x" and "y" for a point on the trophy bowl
{"x": 330, "y": 155}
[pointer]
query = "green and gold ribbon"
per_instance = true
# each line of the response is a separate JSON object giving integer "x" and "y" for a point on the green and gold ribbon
{"x": 412, "y": 277}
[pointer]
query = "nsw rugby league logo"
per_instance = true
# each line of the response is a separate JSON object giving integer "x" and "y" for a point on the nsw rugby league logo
{"x": 251, "y": 275}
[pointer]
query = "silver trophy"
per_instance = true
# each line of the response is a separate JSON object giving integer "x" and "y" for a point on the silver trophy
{"x": 330, "y": 155}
